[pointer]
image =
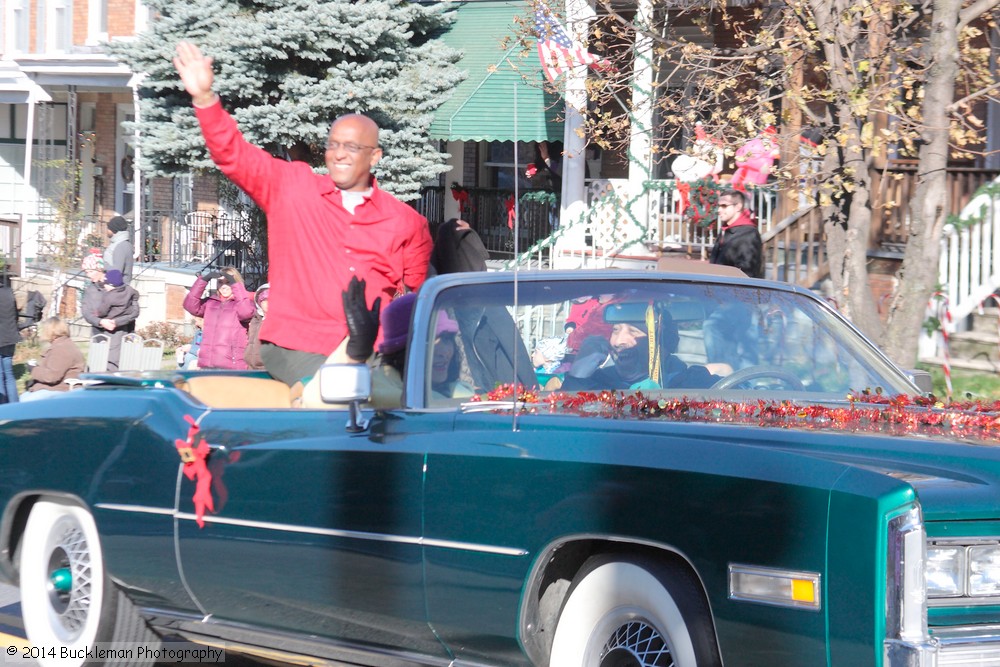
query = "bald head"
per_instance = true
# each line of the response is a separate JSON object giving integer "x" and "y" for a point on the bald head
{"x": 364, "y": 124}
{"x": 352, "y": 151}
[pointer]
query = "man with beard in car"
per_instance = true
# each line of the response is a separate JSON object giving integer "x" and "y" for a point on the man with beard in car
{"x": 634, "y": 359}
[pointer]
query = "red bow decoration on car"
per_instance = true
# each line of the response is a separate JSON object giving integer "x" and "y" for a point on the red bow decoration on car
{"x": 196, "y": 469}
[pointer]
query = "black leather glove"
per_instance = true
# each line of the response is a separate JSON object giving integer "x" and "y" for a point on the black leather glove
{"x": 210, "y": 275}
{"x": 362, "y": 323}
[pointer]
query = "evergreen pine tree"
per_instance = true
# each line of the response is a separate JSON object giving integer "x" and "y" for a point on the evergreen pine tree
{"x": 286, "y": 69}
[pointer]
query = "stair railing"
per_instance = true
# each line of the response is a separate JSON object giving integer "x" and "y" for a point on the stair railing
{"x": 795, "y": 249}
{"x": 969, "y": 268}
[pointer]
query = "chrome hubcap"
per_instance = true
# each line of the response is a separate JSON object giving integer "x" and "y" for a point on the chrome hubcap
{"x": 636, "y": 644}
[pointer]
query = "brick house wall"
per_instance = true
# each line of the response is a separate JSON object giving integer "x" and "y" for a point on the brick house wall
{"x": 175, "y": 303}
{"x": 121, "y": 18}
{"x": 80, "y": 21}
{"x": 106, "y": 132}
{"x": 33, "y": 26}
{"x": 206, "y": 191}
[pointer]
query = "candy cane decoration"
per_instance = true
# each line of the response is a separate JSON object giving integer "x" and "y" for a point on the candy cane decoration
{"x": 945, "y": 319}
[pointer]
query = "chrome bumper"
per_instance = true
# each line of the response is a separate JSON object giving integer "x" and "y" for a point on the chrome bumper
{"x": 960, "y": 646}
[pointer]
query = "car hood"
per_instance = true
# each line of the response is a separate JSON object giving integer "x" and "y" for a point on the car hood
{"x": 950, "y": 456}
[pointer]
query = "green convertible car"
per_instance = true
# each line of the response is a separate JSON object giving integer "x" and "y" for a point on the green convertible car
{"x": 575, "y": 469}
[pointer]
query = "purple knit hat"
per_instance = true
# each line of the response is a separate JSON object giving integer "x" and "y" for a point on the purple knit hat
{"x": 114, "y": 278}
{"x": 396, "y": 323}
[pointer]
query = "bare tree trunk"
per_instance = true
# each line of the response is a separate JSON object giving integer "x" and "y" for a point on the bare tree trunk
{"x": 929, "y": 205}
{"x": 848, "y": 225}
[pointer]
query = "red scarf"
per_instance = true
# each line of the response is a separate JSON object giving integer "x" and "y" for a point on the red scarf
{"x": 744, "y": 219}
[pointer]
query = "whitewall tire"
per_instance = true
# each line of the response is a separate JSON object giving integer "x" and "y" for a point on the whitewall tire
{"x": 67, "y": 600}
{"x": 632, "y": 612}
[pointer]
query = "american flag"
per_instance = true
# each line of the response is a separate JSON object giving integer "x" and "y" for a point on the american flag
{"x": 557, "y": 52}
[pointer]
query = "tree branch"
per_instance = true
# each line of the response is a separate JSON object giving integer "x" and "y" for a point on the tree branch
{"x": 974, "y": 11}
{"x": 979, "y": 93}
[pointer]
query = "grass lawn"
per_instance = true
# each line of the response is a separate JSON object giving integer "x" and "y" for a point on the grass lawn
{"x": 966, "y": 384}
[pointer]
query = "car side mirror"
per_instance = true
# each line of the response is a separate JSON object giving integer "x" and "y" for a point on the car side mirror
{"x": 922, "y": 379}
{"x": 347, "y": 383}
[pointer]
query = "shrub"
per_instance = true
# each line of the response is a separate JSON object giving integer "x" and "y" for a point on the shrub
{"x": 169, "y": 333}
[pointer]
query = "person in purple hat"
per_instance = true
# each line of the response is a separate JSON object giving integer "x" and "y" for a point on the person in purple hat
{"x": 118, "y": 311}
{"x": 445, "y": 362}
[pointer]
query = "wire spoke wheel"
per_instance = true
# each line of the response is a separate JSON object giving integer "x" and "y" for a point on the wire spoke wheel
{"x": 636, "y": 644}
{"x": 631, "y": 611}
{"x": 70, "y": 577}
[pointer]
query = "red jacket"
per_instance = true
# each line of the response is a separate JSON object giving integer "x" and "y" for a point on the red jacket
{"x": 314, "y": 244}
{"x": 224, "y": 333}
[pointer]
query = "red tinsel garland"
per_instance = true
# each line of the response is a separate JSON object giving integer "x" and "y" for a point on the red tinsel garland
{"x": 868, "y": 411}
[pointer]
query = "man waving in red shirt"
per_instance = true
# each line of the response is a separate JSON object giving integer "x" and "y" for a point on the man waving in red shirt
{"x": 321, "y": 229}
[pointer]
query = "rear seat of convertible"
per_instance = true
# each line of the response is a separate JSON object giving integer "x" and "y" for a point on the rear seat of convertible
{"x": 227, "y": 391}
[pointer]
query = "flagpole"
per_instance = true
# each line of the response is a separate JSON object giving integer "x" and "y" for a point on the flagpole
{"x": 517, "y": 232}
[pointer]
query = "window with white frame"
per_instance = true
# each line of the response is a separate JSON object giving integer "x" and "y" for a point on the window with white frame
{"x": 17, "y": 26}
{"x": 97, "y": 21}
{"x": 56, "y": 29}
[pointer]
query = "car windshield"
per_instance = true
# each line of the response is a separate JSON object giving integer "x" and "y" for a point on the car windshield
{"x": 650, "y": 335}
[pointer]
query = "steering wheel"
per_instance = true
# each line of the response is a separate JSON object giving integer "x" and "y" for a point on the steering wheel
{"x": 753, "y": 372}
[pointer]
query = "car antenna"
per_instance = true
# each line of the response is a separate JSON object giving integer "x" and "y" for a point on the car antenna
{"x": 516, "y": 228}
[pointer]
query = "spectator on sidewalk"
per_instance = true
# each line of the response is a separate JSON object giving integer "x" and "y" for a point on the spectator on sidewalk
{"x": 322, "y": 229}
{"x": 739, "y": 244}
{"x": 187, "y": 354}
{"x": 118, "y": 312}
{"x": 252, "y": 354}
{"x": 227, "y": 311}
{"x": 120, "y": 252}
{"x": 61, "y": 361}
{"x": 9, "y": 337}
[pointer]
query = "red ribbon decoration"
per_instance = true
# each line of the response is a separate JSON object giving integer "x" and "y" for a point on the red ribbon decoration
{"x": 461, "y": 196}
{"x": 195, "y": 468}
{"x": 509, "y": 203}
{"x": 684, "y": 189}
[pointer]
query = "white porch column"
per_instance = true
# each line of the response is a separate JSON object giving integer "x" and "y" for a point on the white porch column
{"x": 137, "y": 203}
{"x": 641, "y": 118}
{"x": 574, "y": 192}
{"x": 29, "y": 242}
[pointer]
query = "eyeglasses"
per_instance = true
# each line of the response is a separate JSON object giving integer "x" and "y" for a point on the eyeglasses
{"x": 350, "y": 147}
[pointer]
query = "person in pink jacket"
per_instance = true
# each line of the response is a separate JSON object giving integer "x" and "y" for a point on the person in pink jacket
{"x": 227, "y": 311}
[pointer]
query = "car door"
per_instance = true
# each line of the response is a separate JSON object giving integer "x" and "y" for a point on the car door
{"x": 315, "y": 530}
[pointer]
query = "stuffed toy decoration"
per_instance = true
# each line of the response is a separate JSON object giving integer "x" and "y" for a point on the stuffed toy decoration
{"x": 755, "y": 159}
{"x": 696, "y": 171}
{"x": 704, "y": 161}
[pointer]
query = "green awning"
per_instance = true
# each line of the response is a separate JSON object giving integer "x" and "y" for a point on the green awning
{"x": 482, "y": 107}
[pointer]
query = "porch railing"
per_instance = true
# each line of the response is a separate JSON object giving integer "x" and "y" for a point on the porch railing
{"x": 618, "y": 226}
{"x": 194, "y": 239}
{"x": 894, "y": 187}
{"x": 970, "y": 267}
